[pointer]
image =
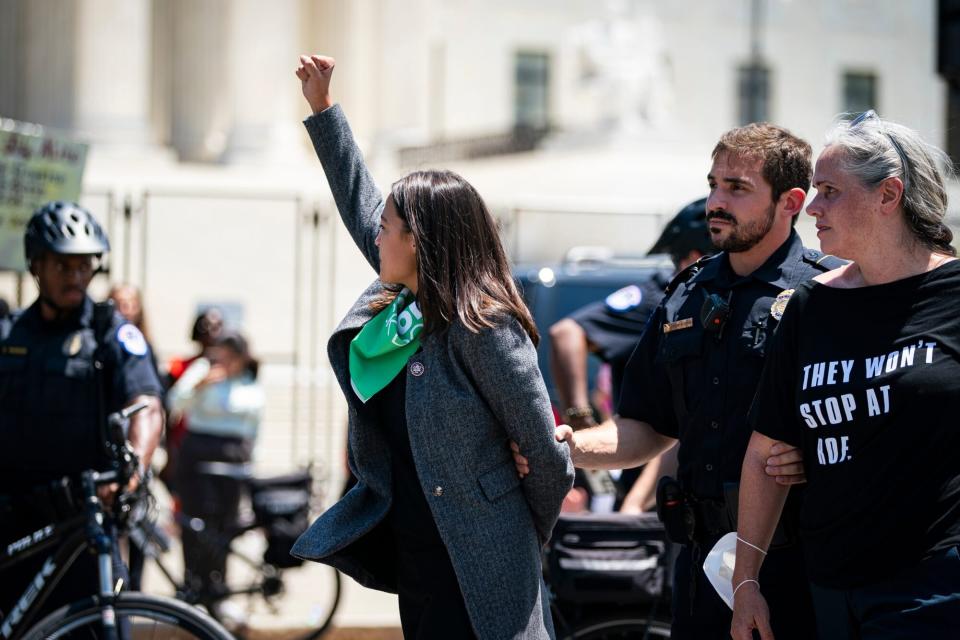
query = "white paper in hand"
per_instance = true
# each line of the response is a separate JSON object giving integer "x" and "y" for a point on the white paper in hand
{"x": 719, "y": 566}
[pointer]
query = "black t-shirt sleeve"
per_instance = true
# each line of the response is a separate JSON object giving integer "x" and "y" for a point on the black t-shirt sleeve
{"x": 645, "y": 393}
{"x": 134, "y": 373}
{"x": 614, "y": 332}
{"x": 774, "y": 412}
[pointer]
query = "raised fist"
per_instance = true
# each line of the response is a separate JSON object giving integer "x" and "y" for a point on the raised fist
{"x": 315, "y": 73}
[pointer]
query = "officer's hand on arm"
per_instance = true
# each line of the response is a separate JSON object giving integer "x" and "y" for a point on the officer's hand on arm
{"x": 315, "y": 73}
{"x": 520, "y": 462}
{"x": 618, "y": 443}
{"x": 785, "y": 464}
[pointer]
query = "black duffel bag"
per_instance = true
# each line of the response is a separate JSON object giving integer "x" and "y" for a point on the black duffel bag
{"x": 609, "y": 558}
{"x": 282, "y": 507}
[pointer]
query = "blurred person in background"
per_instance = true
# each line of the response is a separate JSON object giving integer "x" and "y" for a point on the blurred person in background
{"x": 222, "y": 403}
{"x": 610, "y": 329}
{"x": 207, "y": 327}
{"x": 864, "y": 375}
{"x": 129, "y": 304}
{"x": 438, "y": 365}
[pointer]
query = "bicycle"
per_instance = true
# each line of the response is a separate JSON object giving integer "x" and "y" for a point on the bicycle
{"x": 260, "y": 569}
{"x": 609, "y": 577}
{"x": 108, "y": 613}
{"x": 608, "y": 623}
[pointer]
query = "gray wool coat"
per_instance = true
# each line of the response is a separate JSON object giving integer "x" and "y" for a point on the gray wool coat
{"x": 467, "y": 395}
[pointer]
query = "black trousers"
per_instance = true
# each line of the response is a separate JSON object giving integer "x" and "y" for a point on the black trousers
{"x": 431, "y": 604}
{"x": 213, "y": 500}
{"x": 700, "y": 614}
{"x": 921, "y": 602}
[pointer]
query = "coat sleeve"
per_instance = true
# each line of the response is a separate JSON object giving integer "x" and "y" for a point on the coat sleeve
{"x": 502, "y": 362}
{"x": 183, "y": 392}
{"x": 358, "y": 199}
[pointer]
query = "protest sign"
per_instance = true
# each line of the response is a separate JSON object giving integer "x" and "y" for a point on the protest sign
{"x": 36, "y": 166}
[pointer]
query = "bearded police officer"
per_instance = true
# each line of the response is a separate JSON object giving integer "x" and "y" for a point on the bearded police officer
{"x": 65, "y": 363}
{"x": 695, "y": 370}
{"x": 610, "y": 329}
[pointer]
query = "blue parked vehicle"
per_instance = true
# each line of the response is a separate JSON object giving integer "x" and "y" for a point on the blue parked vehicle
{"x": 587, "y": 274}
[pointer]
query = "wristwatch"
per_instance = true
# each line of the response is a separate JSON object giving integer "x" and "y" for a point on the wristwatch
{"x": 580, "y": 417}
{"x": 584, "y": 411}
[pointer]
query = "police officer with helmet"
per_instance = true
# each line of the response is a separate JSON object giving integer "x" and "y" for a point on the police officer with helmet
{"x": 611, "y": 328}
{"x": 65, "y": 363}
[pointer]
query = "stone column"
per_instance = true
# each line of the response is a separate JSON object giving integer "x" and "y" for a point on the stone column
{"x": 202, "y": 70}
{"x": 11, "y": 58}
{"x": 264, "y": 45}
{"x": 38, "y": 73}
{"x": 112, "y": 72}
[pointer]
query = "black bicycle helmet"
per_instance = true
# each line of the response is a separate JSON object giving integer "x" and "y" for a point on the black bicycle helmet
{"x": 686, "y": 232}
{"x": 65, "y": 228}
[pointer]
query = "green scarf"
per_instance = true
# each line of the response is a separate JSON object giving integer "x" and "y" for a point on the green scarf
{"x": 381, "y": 349}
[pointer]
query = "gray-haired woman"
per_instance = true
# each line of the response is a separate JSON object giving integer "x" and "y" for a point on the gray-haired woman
{"x": 864, "y": 375}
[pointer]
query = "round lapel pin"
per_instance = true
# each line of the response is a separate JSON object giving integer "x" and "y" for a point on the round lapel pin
{"x": 417, "y": 369}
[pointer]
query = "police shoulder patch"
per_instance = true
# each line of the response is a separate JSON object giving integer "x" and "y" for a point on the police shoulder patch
{"x": 625, "y": 299}
{"x": 132, "y": 340}
{"x": 780, "y": 304}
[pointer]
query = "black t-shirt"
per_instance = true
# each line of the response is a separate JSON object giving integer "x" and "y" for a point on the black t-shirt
{"x": 410, "y": 518}
{"x": 867, "y": 382}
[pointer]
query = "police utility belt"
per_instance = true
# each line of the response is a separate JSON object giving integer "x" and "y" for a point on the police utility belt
{"x": 688, "y": 519}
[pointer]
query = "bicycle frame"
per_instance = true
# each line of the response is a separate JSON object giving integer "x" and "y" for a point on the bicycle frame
{"x": 150, "y": 548}
{"x": 81, "y": 532}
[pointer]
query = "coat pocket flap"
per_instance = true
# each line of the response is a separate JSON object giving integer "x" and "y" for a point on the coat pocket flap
{"x": 499, "y": 480}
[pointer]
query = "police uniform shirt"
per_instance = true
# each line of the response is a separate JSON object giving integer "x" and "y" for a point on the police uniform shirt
{"x": 696, "y": 385}
{"x": 614, "y": 325}
{"x": 873, "y": 403}
{"x": 49, "y": 424}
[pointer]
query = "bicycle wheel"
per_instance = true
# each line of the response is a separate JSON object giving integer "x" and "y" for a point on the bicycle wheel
{"x": 285, "y": 604}
{"x": 621, "y": 629}
{"x": 144, "y": 616}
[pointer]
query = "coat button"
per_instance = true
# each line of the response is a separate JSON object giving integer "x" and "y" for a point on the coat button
{"x": 438, "y": 491}
{"x": 416, "y": 368}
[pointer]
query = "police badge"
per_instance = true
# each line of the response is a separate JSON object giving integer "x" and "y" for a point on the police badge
{"x": 780, "y": 304}
{"x": 73, "y": 343}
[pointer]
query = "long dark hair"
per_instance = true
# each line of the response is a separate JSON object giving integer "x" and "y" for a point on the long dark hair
{"x": 462, "y": 269}
{"x": 237, "y": 343}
